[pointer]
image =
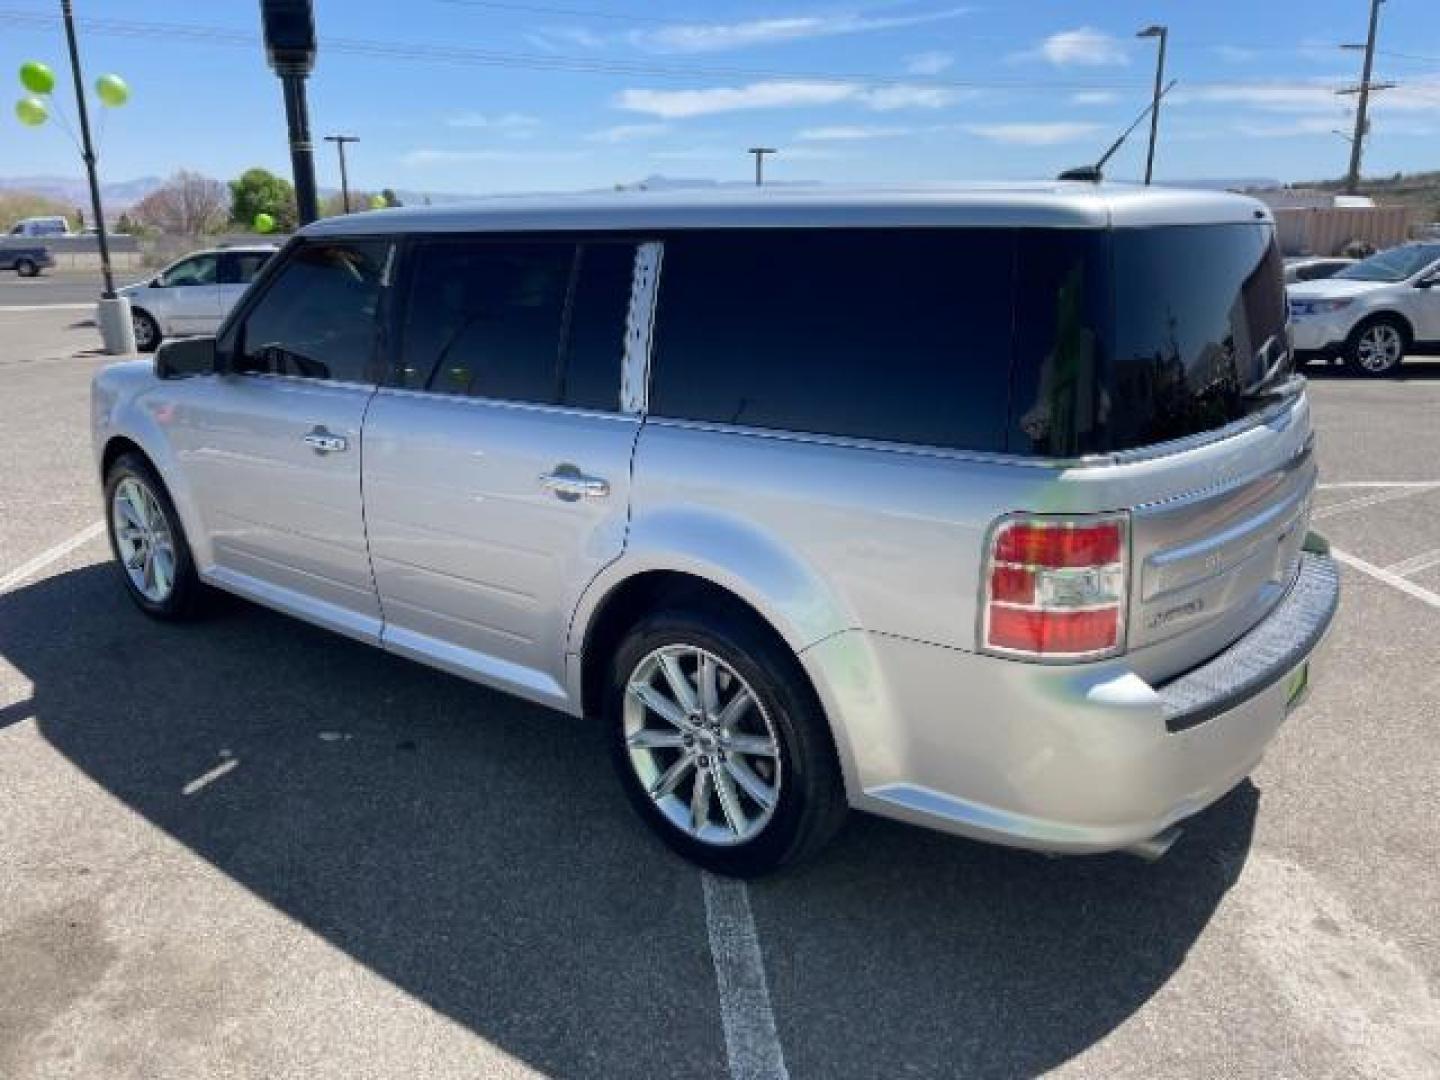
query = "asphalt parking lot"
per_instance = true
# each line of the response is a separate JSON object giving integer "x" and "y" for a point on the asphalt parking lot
{"x": 248, "y": 848}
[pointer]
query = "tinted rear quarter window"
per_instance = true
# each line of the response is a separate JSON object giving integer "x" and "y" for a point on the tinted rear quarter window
{"x": 897, "y": 335}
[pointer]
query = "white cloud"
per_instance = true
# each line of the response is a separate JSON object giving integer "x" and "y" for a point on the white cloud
{"x": 849, "y": 133}
{"x": 929, "y": 63}
{"x": 782, "y": 94}
{"x": 719, "y": 37}
{"x": 624, "y": 133}
{"x": 1033, "y": 134}
{"x": 511, "y": 122}
{"x": 1236, "y": 54}
{"x": 1085, "y": 47}
{"x": 1094, "y": 97}
{"x": 424, "y": 157}
{"x": 1269, "y": 96}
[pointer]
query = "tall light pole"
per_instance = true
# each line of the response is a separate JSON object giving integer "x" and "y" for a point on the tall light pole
{"x": 1163, "y": 33}
{"x": 290, "y": 46}
{"x": 760, "y": 152}
{"x": 1362, "y": 104}
{"x": 340, "y": 141}
{"x": 113, "y": 313}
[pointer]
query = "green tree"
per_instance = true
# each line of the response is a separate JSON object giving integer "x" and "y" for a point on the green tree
{"x": 257, "y": 191}
{"x": 391, "y": 199}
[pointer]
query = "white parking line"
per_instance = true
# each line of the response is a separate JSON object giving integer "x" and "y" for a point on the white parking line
{"x": 1341, "y": 485}
{"x": 751, "y": 1042}
{"x": 209, "y": 777}
{"x": 1375, "y": 498}
{"x": 52, "y": 554}
{"x": 48, "y": 307}
{"x": 1395, "y": 581}
{"x": 1416, "y": 563}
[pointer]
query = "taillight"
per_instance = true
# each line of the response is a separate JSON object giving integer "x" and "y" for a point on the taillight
{"x": 1055, "y": 587}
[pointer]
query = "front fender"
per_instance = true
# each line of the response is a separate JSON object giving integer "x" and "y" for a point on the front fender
{"x": 728, "y": 552}
{"x": 128, "y": 402}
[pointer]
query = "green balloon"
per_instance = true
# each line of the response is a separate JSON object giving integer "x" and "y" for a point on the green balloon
{"x": 37, "y": 77}
{"x": 264, "y": 222}
{"x": 31, "y": 111}
{"x": 112, "y": 90}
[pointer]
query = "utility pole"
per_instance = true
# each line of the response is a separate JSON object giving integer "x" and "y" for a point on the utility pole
{"x": 340, "y": 141}
{"x": 760, "y": 152}
{"x": 1362, "y": 105}
{"x": 1163, "y": 33}
{"x": 290, "y": 46}
{"x": 88, "y": 153}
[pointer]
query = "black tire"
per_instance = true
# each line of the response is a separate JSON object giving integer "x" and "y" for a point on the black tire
{"x": 1388, "y": 328}
{"x": 187, "y": 594}
{"x": 811, "y": 804}
{"x": 26, "y": 267}
{"x": 147, "y": 330}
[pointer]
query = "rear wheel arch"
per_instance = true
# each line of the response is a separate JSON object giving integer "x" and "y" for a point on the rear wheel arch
{"x": 117, "y": 446}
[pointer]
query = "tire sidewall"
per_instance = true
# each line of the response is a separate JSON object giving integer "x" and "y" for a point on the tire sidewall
{"x": 138, "y": 315}
{"x": 809, "y": 778}
{"x": 26, "y": 268}
{"x": 184, "y": 596}
{"x": 1352, "y": 349}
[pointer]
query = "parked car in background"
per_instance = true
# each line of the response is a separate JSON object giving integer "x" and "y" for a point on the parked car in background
{"x": 789, "y": 490}
{"x": 194, "y": 294}
{"x": 1314, "y": 268}
{"x": 1372, "y": 312}
{"x": 27, "y": 260}
{"x": 41, "y": 226}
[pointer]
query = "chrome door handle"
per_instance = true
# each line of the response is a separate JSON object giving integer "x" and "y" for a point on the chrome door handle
{"x": 569, "y": 483}
{"x": 322, "y": 442}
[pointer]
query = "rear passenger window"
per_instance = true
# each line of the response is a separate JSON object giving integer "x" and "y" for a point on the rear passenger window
{"x": 484, "y": 319}
{"x": 596, "y": 341}
{"x": 899, "y": 336}
{"x": 317, "y": 318}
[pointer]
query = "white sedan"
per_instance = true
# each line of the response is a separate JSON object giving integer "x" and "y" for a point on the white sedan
{"x": 1373, "y": 312}
{"x": 192, "y": 295}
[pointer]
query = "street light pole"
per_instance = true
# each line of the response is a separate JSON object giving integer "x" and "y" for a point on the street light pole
{"x": 88, "y": 153}
{"x": 760, "y": 152}
{"x": 290, "y": 46}
{"x": 1163, "y": 33}
{"x": 340, "y": 141}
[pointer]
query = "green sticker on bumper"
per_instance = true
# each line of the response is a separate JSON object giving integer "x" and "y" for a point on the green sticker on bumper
{"x": 1296, "y": 682}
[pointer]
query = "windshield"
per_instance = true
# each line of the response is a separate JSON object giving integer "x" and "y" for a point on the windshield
{"x": 1397, "y": 264}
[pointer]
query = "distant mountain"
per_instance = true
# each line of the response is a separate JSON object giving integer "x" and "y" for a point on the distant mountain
{"x": 74, "y": 189}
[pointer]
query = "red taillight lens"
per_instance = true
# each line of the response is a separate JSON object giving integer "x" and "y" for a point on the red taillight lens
{"x": 1056, "y": 587}
{"x": 1059, "y": 545}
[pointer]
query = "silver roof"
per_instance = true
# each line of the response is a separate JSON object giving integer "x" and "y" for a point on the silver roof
{"x": 1036, "y": 205}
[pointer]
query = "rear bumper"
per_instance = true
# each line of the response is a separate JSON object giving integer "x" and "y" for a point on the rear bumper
{"x": 1074, "y": 759}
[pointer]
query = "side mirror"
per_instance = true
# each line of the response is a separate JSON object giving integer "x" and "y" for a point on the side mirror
{"x": 184, "y": 357}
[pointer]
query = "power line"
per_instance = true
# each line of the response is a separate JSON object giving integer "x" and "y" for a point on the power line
{"x": 463, "y": 55}
{"x": 575, "y": 13}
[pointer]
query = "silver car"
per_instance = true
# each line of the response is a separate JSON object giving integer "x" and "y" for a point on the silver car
{"x": 194, "y": 294}
{"x": 984, "y": 509}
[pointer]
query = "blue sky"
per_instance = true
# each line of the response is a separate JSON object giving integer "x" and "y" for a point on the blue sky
{"x": 471, "y": 96}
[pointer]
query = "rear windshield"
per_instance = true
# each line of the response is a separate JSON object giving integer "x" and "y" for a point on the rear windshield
{"x": 1035, "y": 342}
{"x": 1394, "y": 265}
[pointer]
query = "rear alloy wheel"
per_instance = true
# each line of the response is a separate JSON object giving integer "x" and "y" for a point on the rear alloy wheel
{"x": 720, "y": 742}
{"x": 1377, "y": 348}
{"x": 26, "y": 267}
{"x": 147, "y": 331}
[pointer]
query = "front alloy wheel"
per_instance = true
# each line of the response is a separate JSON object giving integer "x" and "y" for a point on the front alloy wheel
{"x": 145, "y": 544}
{"x": 702, "y": 746}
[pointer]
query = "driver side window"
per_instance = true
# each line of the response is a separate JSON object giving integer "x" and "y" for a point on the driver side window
{"x": 318, "y": 316}
{"x": 201, "y": 270}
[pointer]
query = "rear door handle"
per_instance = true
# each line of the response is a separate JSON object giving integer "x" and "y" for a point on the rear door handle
{"x": 323, "y": 442}
{"x": 569, "y": 483}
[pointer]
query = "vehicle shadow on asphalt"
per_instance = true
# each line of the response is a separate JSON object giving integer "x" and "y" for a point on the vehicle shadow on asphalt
{"x": 475, "y": 851}
{"x": 1414, "y": 369}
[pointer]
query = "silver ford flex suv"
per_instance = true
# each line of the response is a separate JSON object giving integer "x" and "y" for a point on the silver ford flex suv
{"x": 984, "y": 509}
